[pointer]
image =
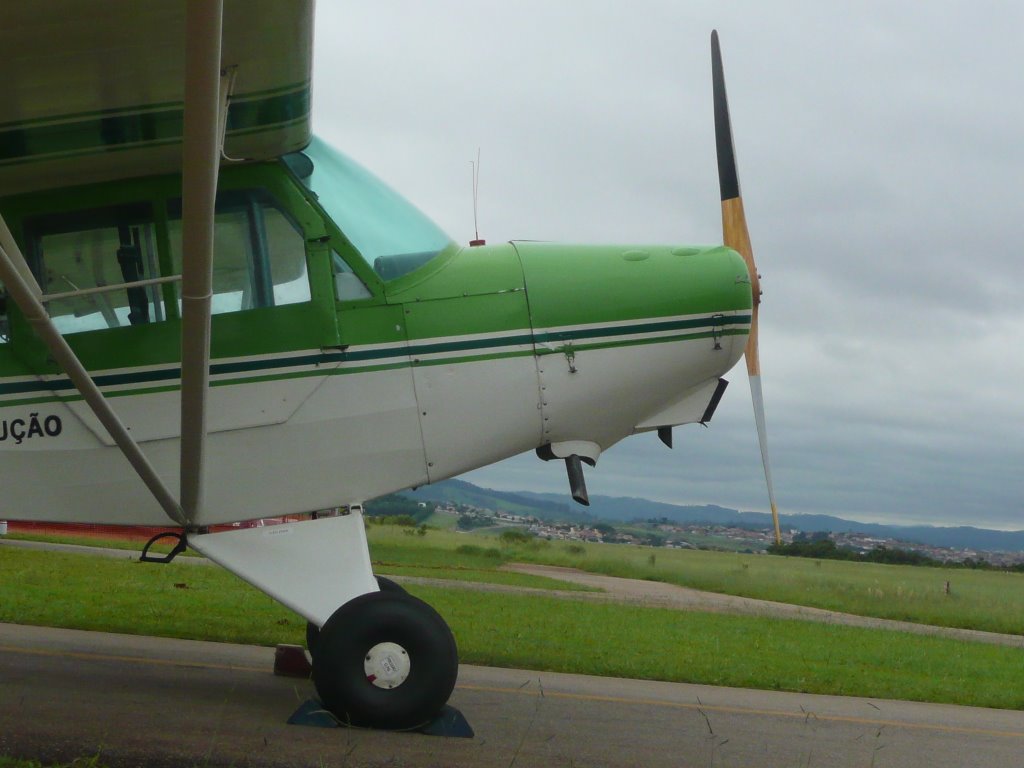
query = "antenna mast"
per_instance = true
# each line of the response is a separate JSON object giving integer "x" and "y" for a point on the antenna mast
{"x": 476, "y": 188}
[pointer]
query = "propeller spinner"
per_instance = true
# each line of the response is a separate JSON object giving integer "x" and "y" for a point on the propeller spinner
{"x": 736, "y": 236}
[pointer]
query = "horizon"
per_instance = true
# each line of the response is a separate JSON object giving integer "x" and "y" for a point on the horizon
{"x": 572, "y": 505}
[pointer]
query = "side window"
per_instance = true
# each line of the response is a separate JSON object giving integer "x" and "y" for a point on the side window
{"x": 259, "y": 253}
{"x": 347, "y": 284}
{"x": 73, "y": 254}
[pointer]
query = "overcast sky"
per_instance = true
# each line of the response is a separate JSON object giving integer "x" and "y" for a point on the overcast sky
{"x": 880, "y": 157}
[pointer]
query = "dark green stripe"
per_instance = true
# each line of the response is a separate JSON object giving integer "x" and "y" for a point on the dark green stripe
{"x": 78, "y": 116}
{"x": 458, "y": 346}
{"x": 63, "y": 384}
{"x": 290, "y": 87}
{"x": 174, "y": 373}
{"x": 644, "y": 342}
{"x": 270, "y": 110}
{"x": 104, "y": 131}
{"x": 92, "y": 133}
{"x": 344, "y": 356}
{"x": 656, "y": 327}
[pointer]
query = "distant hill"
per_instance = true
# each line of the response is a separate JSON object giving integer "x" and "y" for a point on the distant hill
{"x": 557, "y": 507}
{"x": 625, "y": 508}
{"x": 553, "y": 507}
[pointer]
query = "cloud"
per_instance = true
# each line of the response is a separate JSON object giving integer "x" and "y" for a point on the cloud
{"x": 880, "y": 160}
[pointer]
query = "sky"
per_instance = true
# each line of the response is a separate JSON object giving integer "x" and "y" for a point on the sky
{"x": 880, "y": 156}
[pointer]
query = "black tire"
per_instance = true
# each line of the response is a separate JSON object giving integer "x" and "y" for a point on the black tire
{"x": 312, "y": 638}
{"x": 313, "y": 631}
{"x": 363, "y": 624}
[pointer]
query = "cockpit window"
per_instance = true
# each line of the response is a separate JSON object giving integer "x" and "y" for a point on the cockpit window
{"x": 390, "y": 234}
{"x": 259, "y": 252}
{"x": 347, "y": 285}
{"x": 88, "y": 259}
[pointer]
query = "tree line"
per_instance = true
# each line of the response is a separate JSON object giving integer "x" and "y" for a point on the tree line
{"x": 819, "y": 547}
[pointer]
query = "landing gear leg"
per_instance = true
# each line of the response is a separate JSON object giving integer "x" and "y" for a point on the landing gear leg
{"x": 385, "y": 660}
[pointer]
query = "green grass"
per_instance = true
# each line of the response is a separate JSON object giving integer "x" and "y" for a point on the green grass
{"x": 397, "y": 551}
{"x": 741, "y": 651}
{"x": 134, "y": 545}
{"x": 722, "y": 543}
{"x": 986, "y": 600}
{"x": 442, "y": 520}
{"x": 508, "y": 578}
{"x": 78, "y": 591}
{"x": 86, "y": 592}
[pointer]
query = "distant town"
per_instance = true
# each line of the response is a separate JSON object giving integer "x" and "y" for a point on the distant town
{"x": 664, "y": 533}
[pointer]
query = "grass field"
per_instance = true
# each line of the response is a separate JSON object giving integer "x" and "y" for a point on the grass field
{"x": 442, "y": 520}
{"x": 463, "y": 562}
{"x": 987, "y": 600}
{"x": 84, "y": 592}
{"x": 134, "y": 545}
{"x": 400, "y": 551}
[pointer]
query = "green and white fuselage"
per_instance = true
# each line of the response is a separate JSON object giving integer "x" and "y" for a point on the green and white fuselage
{"x": 208, "y": 316}
{"x": 355, "y": 348}
{"x": 348, "y": 382}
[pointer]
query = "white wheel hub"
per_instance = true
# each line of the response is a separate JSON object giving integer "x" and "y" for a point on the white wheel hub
{"x": 387, "y": 665}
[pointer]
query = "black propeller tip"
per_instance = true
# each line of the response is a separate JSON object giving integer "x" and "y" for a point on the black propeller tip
{"x": 728, "y": 179}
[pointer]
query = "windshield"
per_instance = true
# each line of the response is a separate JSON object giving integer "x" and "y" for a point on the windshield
{"x": 390, "y": 234}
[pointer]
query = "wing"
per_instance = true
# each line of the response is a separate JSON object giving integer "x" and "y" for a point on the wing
{"x": 94, "y": 91}
{"x": 141, "y": 88}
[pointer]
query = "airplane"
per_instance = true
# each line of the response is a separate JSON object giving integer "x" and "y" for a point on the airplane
{"x": 211, "y": 316}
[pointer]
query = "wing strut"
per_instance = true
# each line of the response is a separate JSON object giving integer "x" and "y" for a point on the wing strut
{"x": 200, "y": 164}
{"x": 23, "y": 288}
{"x": 206, "y": 93}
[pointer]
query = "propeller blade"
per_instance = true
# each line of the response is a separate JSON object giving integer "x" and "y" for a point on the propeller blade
{"x": 762, "y": 439}
{"x": 736, "y": 236}
{"x": 734, "y": 221}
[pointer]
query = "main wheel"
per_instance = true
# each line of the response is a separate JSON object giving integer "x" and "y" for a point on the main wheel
{"x": 385, "y": 660}
{"x": 313, "y": 631}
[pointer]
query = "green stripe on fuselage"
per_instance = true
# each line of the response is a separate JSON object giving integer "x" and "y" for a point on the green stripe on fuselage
{"x": 719, "y": 321}
{"x": 399, "y": 356}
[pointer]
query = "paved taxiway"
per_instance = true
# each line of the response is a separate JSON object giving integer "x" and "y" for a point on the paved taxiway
{"x": 149, "y": 701}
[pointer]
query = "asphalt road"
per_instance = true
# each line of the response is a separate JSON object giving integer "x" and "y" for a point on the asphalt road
{"x": 156, "y": 702}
